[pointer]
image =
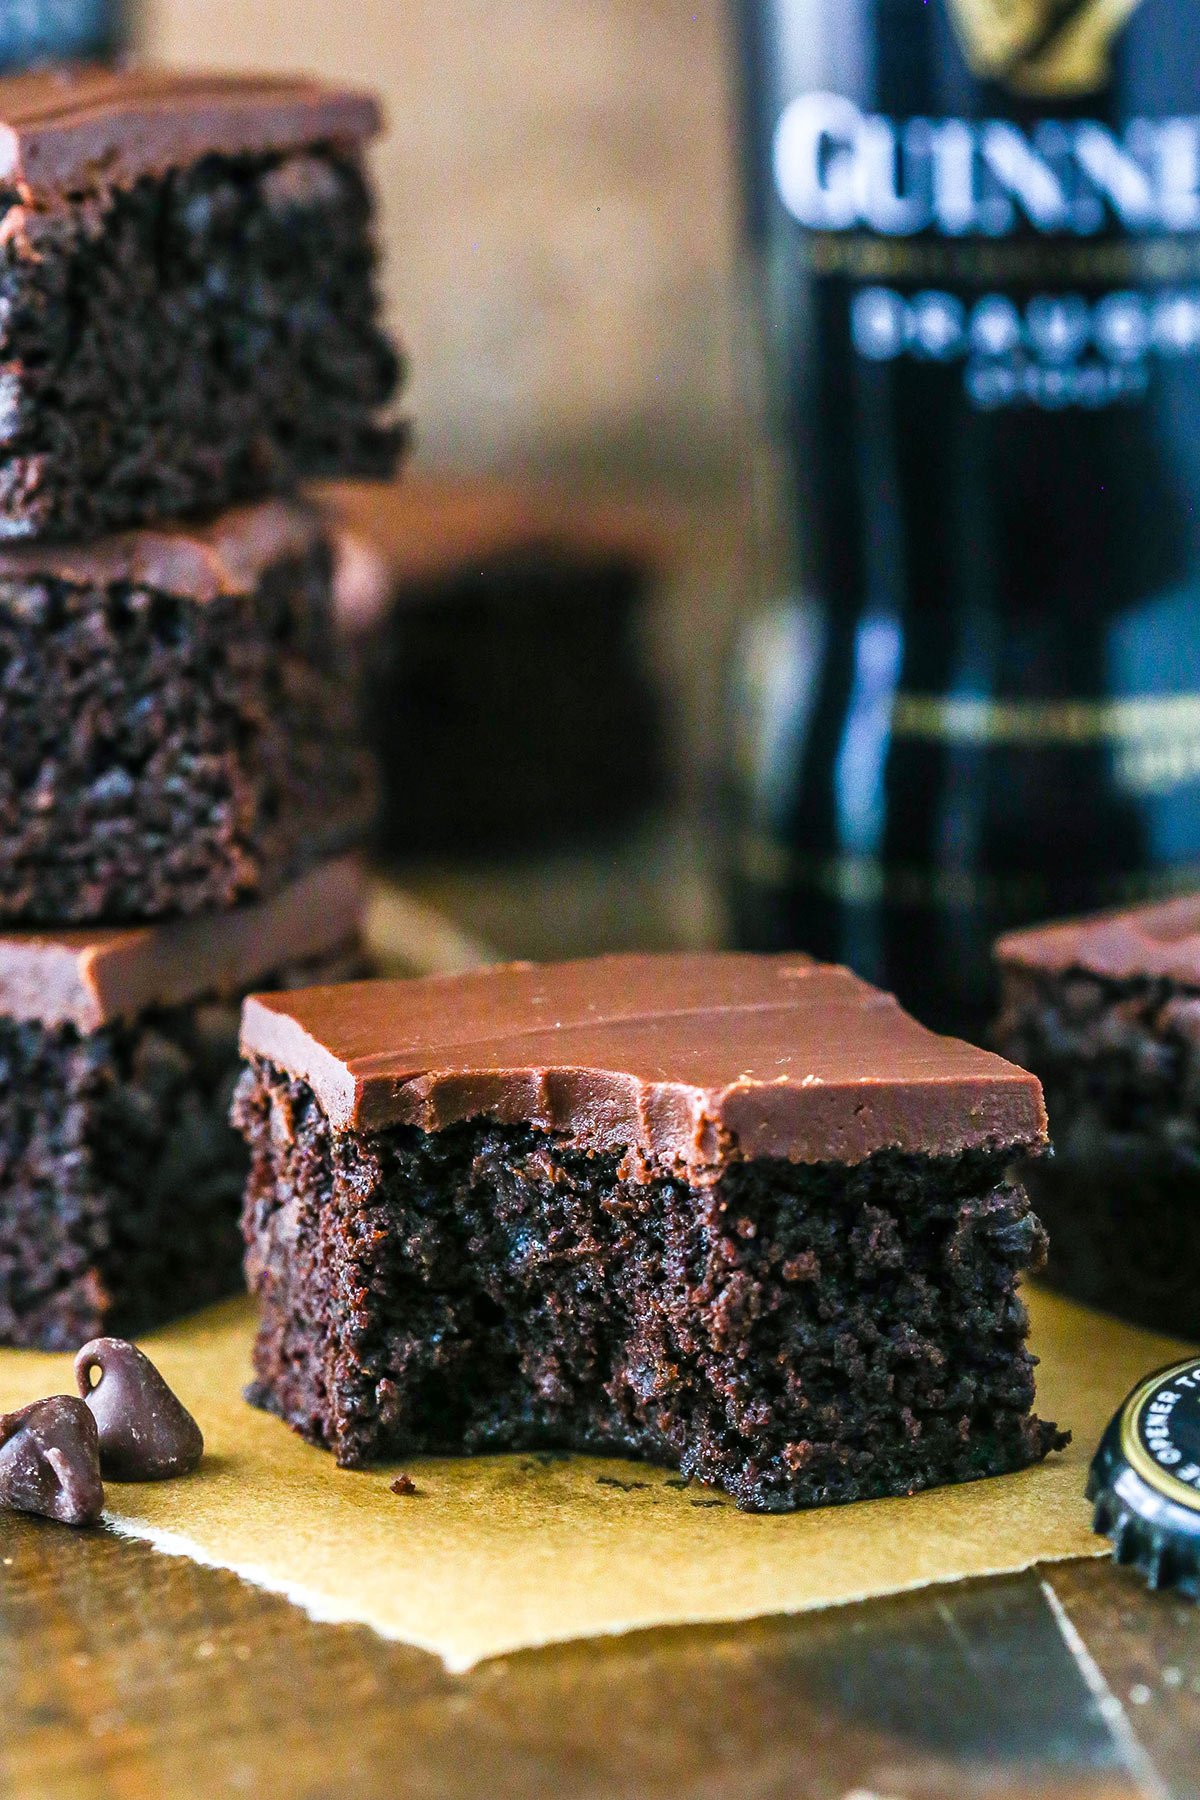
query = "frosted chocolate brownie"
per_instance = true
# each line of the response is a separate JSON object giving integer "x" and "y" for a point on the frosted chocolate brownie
{"x": 187, "y": 300}
{"x": 739, "y": 1215}
{"x": 120, "y": 1177}
{"x": 1106, "y": 1010}
{"x": 176, "y": 733}
{"x": 509, "y": 630}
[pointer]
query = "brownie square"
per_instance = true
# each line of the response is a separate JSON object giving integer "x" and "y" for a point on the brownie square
{"x": 1106, "y": 1010}
{"x": 509, "y": 632}
{"x": 120, "y": 1177}
{"x": 176, "y": 732}
{"x": 186, "y": 295}
{"x": 738, "y": 1215}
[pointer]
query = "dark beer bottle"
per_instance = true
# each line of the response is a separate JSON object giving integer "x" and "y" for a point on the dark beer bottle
{"x": 970, "y": 696}
{"x": 34, "y": 33}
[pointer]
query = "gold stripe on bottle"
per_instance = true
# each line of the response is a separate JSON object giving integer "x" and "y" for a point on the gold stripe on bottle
{"x": 1155, "y": 740}
{"x": 864, "y": 256}
{"x": 961, "y": 720}
{"x": 763, "y": 861}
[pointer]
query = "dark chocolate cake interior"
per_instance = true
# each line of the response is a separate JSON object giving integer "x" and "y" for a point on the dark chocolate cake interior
{"x": 199, "y": 337}
{"x": 162, "y": 754}
{"x": 120, "y": 1177}
{"x": 795, "y": 1334}
{"x": 1120, "y": 1197}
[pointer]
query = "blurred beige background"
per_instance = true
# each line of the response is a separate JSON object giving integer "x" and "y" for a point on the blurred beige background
{"x": 559, "y": 222}
{"x": 559, "y": 214}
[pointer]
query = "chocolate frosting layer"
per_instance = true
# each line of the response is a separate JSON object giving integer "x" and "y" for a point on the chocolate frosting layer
{"x": 224, "y": 555}
{"x": 90, "y": 977}
{"x": 1161, "y": 942}
{"x": 425, "y": 528}
{"x": 84, "y": 129}
{"x": 689, "y": 1058}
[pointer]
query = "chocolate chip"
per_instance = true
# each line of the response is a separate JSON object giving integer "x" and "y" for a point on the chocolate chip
{"x": 50, "y": 1461}
{"x": 146, "y": 1434}
{"x": 404, "y": 1484}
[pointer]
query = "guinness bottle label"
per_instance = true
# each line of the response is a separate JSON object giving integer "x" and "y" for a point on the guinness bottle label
{"x": 1041, "y": 47}
{"x": 1145, "y": 1479}
{"x": 970, "y": 694}
{"x": 41, "y": 31}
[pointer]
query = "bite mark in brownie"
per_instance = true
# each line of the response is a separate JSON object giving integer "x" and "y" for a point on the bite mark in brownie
{"x": 1106, "y": 1011}
{"x": 461, "y": 1244}
{"x": 175, "y": 732}
{"x": 188, "y": 313}
{"x": 120, "y": 1178}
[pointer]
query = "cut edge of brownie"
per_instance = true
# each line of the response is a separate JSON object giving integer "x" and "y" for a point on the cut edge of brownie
{"x": 588, "y": 759}
{"x": 1119, "y": 1060}
{"x": 796, "y": 1334}
{"x": 207, "y": 334}
{"x": 166, "y": 755}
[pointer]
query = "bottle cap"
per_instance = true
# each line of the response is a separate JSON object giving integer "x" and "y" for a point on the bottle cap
{"x": 1145, "y": 1479}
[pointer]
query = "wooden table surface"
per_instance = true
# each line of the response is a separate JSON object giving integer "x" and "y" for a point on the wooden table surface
{"x": 125, "y": 1674}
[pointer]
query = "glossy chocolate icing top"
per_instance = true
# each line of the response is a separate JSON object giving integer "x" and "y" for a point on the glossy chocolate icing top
{"x": 688, "y": 1058}
{"x": 83, "y": 130}
{"x": 90, "y": 976}
{"x": 227, "y": 554}
{"x": 1159, "y": 942}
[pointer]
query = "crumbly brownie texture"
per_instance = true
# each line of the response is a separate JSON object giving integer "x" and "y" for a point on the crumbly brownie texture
{"x": 120, "y": 1178}
{"x": 187, "y": 299}
{"x": 831, "y": 1317}
{"x": 175, "y": 731}
{"x": 794, "y": 1336}
{"x": 1107, "y": 1013}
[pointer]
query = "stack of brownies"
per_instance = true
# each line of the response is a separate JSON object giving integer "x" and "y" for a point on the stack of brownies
{"x": 189, "y": 331}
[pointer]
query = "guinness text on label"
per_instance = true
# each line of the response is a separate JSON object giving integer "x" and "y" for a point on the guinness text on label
{"x": 838, "y": 168}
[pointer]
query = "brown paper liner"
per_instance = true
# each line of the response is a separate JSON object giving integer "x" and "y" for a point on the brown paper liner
{"x": 495, "y": 1554}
